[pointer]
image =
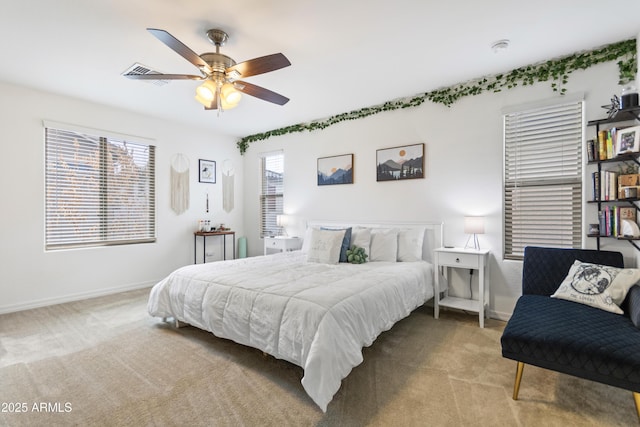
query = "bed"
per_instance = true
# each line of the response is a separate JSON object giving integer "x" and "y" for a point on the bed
{"x": 305, "y": 306}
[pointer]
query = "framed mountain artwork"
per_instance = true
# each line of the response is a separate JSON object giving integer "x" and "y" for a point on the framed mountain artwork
{"x": 335, "y": 170}
{"x": 398, "y": 163}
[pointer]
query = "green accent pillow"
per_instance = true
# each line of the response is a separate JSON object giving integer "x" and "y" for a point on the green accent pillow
{"x": 356, "y": 255}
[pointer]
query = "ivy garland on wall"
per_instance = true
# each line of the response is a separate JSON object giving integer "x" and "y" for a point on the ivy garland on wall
{"x": 556, "y": 70}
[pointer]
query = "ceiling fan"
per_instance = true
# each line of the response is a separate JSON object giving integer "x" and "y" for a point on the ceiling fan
{"x": 221, "y": 88}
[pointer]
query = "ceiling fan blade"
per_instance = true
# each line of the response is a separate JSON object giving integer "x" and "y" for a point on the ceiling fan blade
{"x": 163, "y": 77}
{"x": 260, "y": 92}
{"x": 261, "y": 65}
{"x": 181, "y": 49}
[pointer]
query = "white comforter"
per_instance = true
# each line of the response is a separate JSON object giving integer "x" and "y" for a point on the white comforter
{"x": 316, "y": 316}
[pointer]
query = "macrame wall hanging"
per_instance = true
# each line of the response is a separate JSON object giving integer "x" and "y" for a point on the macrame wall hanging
{"x": 179, "y": 183}
{"x": 227, "y": 185}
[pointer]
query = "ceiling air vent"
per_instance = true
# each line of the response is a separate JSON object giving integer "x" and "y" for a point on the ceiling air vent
{"x": 137, "y": 69}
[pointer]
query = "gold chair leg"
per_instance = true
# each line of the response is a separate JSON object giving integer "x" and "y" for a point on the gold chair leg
{"x": 636, "y": 397}
{"x": 516, "y": 385}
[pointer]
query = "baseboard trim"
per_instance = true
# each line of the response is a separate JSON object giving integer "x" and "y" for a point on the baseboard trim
{"x": 491, "y": 314}
{"x": 499, "y": 315}
{"x": 4, "y": 309}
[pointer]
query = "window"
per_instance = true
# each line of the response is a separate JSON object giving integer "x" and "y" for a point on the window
{"x": 271, "y": 193}
{"x": 543, "y": 178}
{"x": 99, "y": 191}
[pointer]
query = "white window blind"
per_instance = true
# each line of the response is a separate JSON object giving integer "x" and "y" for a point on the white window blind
{"x": 99, "y": 190}
{"x": 543, "y": 178}
{"x": 271, "y": 193}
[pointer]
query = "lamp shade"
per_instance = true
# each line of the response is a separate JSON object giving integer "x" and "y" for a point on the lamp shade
{"x": 281, "y": 220}
{"x": 207, "y": 90}
{"x": 206, "y": 93}
{"x": 230, "y": 94}
{"x": 474, "y": 225}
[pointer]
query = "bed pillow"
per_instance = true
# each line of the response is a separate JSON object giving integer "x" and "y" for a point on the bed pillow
{"x": 325, "y": 246}
{"x": 634, "y": 305}
{"x": 597, "y": 285}
{"x": 346, "y": 241}
{"x": 410, "y": 244}
{"x": 384, "y": 245}
{"x": 356, "y": 255}
{"x": 361, "y": 237}
{"x": 306, "y": 242}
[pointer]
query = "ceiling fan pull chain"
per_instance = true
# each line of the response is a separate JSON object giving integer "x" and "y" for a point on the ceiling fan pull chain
{"x": 219, "y": 100}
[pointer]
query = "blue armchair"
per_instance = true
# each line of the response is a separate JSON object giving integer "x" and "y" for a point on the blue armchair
{"x": 566, "y": 336}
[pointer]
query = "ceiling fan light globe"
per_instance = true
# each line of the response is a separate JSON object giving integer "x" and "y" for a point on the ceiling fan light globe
{"x": 203, "y": 97}
{"x": 227, "y": 105}
{"x": 230, "y": 94}
{"x": 233, "y": 97}
{"x": 205, "y": 102}
{"x": 206, "y": 91}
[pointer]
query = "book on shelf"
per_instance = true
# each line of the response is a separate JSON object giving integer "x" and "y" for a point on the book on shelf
{"x": 604, "y": 147}
{"x": 612, "y": 190}
{"x": 606, "y": 221}
{"x": 591, "y": 150}
{"x": 610, "y": 149}
{"x": 604, "y": 185}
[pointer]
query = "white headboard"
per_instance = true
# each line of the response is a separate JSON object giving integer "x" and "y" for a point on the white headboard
{"x": 433, "y": 231}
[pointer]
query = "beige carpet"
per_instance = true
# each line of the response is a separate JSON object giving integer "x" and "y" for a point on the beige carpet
{"x": 104, "y": 361}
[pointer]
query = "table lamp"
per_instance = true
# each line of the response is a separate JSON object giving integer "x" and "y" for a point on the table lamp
{"x": 473, "y": 225}
{"x": 282, "y": 221}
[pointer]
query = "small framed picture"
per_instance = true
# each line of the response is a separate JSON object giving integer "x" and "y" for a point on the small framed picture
{"x": 335, "y": 170}
{"x": 207, "y": 171}
{"x": 628, "y": 140}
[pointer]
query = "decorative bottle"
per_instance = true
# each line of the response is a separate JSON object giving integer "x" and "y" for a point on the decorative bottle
{"x": 629, "y": 96}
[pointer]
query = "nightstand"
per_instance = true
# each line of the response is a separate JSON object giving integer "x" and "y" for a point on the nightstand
{"x": 469, "y": 259}
{"x": 282, "y": 244}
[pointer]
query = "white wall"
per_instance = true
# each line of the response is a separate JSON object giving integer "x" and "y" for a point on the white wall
{"x": 463, "y": 176}
{"x": 464, "y": 163}
{"x": 31, "y": 276}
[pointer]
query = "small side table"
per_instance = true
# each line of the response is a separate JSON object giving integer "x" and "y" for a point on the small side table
{"x": 204, "y": 235}
{"x": 470, "y": 259}
{"x": 282, "y": 244}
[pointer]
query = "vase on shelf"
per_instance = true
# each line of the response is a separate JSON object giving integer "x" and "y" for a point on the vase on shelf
{"x": 629, "y": 96}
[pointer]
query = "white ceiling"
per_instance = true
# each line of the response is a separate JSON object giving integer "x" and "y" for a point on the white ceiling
{"x": 345, "y": 54}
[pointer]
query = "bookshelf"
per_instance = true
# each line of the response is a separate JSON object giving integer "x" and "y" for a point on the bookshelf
{"x": 614, "y": 192}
